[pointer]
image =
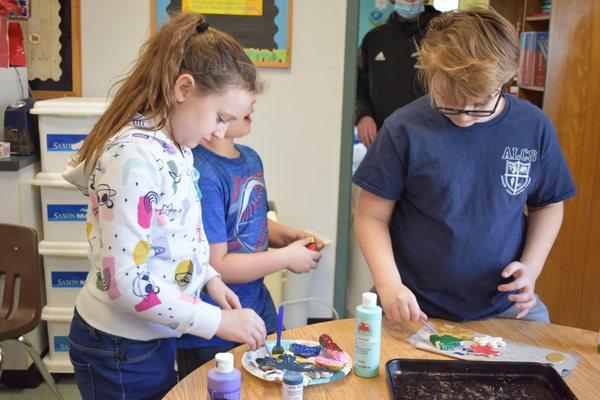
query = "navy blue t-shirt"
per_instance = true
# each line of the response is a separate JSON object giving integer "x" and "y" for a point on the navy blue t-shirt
{"x": 460, "y": 197}
{"x": 234, "y": 211}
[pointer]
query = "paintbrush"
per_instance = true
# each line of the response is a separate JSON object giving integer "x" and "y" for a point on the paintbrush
{"x": 278, "y": 348}
{"x": 429, "y": 325}
{"x": 268, "y": 353}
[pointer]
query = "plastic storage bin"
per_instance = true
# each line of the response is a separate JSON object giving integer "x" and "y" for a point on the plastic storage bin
{"x": 66, "y": 267}
{"x": 64, "y": 209}
{"x": 59, "y": 323}
{"x": 64, "y": 123}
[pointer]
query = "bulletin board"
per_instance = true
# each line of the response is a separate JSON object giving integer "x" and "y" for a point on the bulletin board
{"x": 54, "y": 48}
{"x": 263, "y": 27}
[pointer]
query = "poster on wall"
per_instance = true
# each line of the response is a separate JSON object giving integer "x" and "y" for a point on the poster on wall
{"x": 372, "y": 14}
{"x": 263, "y": 27}
{"x": 53, "y": 48}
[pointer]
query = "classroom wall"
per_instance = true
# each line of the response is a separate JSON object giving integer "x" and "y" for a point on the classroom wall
{"x": 297, "y": 120}
{"x": 111, "y": 33}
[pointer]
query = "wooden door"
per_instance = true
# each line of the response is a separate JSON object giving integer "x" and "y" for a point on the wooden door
{"x": 570, "y": 283}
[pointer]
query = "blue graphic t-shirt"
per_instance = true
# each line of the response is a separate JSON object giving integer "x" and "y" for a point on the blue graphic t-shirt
{"x": 460, "y": 197}
{"x": 234, "y": 211}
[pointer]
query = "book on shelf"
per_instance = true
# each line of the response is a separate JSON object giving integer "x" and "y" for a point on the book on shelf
{"x": 547, "y": 6}
{"x": 533, "y": 62}
{"x": 540, "y": 58}
{"x": 525, "y": 71}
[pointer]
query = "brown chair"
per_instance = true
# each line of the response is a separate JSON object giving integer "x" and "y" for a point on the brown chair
{"x": 20, "y": 270}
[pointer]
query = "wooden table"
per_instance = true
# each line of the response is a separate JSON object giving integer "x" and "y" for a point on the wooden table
{"x": 584, "y": 382}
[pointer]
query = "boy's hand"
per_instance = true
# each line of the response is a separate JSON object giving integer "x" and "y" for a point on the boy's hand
{"x": 299, "y": 258}
{"x": 222, "y": 295}
{"x": 399, "y": 303}
{"x": 242, "y": 326}
{"x": 524, "y": 282}
{"x": 291, "y": 235}
{"x": 367, "y": 130}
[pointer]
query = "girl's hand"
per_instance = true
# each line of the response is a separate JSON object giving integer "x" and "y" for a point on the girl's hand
{"x": 222, "y": 295}
{"x": 242, "y": 326}
{"x": 524, "y": 282}
{"x": 399, "y": 303}
{"x": 299, "y": 258}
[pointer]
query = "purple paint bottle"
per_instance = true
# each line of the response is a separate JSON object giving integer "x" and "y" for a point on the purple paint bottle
{"x": 224, "y": 381}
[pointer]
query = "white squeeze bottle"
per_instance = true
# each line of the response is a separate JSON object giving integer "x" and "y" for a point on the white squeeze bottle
{"x": 367, "y": 336}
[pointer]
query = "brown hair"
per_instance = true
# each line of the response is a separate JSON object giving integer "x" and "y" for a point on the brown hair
{"x": 183, "y": 45}
{"x": 467, "y": 55}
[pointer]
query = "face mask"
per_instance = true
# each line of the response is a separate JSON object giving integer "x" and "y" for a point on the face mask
{"x": 409, "y": 10}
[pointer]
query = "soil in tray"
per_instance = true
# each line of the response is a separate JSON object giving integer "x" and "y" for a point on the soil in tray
{"x": 439, "y": 386}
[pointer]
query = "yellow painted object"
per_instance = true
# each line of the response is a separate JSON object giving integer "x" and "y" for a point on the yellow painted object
{"x": 274, "y": 282}
{"x": 457, "y": 332}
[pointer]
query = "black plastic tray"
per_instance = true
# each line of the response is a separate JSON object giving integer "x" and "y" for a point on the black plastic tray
{"x": 443, "y": 379}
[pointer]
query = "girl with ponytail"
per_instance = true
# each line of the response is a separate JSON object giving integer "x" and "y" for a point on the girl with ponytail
{"x": 148, "y": 253}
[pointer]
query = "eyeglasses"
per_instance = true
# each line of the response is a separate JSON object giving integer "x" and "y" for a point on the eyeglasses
{"x": 472, "y": 112}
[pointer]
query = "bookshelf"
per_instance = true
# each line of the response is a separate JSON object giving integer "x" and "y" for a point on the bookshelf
{"x": 527, "y": 16}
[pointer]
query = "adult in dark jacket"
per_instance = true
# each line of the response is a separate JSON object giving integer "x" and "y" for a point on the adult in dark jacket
{"x": 387, "y": 66}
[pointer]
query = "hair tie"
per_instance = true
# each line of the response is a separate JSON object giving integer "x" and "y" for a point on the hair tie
{"x": 202, "y": 27}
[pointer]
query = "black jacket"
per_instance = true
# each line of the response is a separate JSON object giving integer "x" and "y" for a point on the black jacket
{"x": 386, "y": 66}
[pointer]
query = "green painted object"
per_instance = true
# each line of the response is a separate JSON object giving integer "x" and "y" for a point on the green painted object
{"x": 445, "y": 342}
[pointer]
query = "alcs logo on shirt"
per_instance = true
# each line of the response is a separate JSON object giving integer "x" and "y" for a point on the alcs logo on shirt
{"x": 518, "y": 166}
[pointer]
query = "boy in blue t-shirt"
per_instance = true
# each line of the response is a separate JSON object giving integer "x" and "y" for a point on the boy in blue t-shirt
{"x": 441, "y": 216}
{"x": 234, "y": 212}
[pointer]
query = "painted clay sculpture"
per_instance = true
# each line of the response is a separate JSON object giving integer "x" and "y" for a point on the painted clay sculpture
{"x": 331, "y": 364}
{"x": 456, "y": 331}
{"x": 303, "y": 350}
{"x": 312, "y": 245}
{"x": 289, "y": 362}
{"x": 330, "y": 349}
{"x": 332, "y": 356}
{"x": 491, "y": 341}
{"x": 555, "y": 358}
{"x": 445, "y": 342}
{"x": 487, "y": 351}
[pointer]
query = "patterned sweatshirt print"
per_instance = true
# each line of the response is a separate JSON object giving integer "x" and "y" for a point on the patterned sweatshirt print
{"x": 148, "y": 251}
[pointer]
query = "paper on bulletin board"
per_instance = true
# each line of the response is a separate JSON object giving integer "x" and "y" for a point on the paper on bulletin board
{"x": 224, "y": 7}
{"x": 43, "y": 50}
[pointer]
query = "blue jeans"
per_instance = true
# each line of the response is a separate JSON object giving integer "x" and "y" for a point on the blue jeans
{"x": 537, "y": 313}
{"x": 112, "y": 367}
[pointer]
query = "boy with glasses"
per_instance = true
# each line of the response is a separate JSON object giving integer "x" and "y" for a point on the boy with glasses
{"x": 441, "y": 215}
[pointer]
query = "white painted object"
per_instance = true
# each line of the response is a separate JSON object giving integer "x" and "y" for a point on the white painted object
{"x": 64, "y": 209}
{"x": 481, "y": 340}
{"x": 66, "y": 267}
{"x": 59, "y": 323}
{"x": 492, "y": 341}
{"x": 64, "y": 123}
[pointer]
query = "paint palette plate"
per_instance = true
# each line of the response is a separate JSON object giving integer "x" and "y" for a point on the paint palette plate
{"x": 313, "y": 375}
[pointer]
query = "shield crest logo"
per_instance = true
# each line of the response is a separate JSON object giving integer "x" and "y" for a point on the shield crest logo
{"x": 516, "y": 177}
